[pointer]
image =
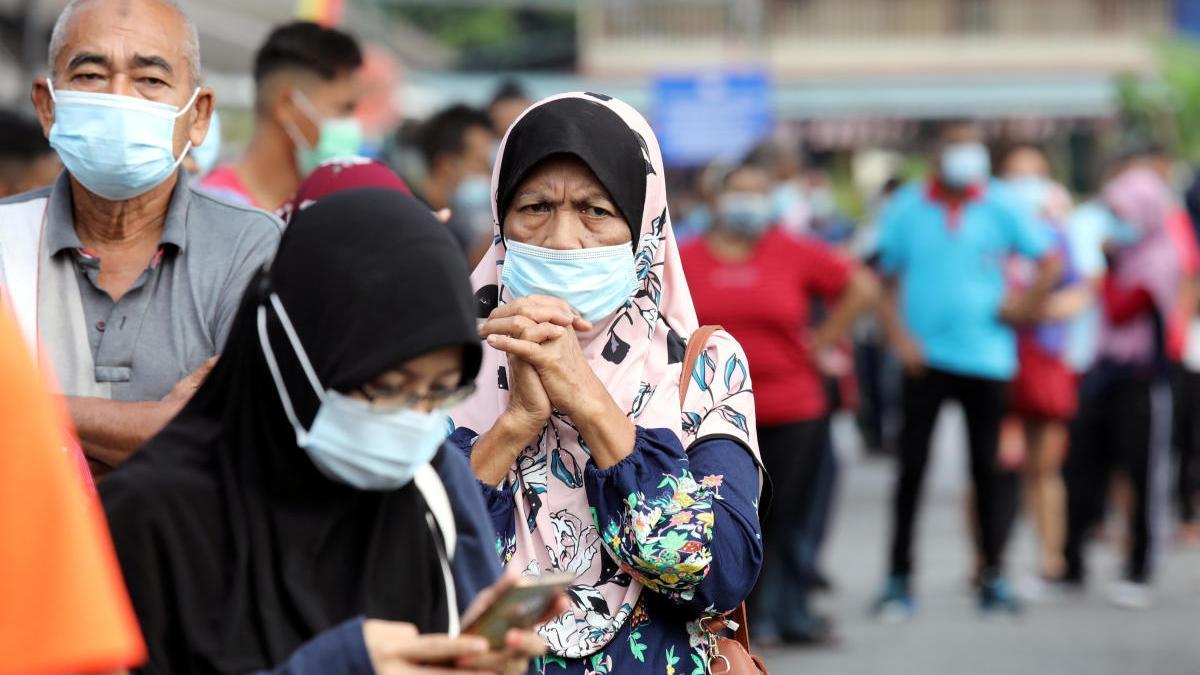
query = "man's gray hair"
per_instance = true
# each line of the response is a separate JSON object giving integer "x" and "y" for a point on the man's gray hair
{"x": 191, "y": 48}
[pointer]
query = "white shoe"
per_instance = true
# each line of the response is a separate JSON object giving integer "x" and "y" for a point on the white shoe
{"x": 1035, "y": 590}
{"x": 1130, "y": 595}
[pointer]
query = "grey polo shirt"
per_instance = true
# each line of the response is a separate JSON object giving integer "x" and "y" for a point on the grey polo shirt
{"x": 178, "y": 312}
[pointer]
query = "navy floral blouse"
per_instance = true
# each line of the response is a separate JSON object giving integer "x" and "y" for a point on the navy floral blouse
{"x": 685, "y": 525}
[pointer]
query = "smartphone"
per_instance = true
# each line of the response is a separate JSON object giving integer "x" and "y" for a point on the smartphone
{"x": 521, "y": 605}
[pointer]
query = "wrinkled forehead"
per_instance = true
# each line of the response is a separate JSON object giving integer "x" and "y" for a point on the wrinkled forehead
{"x": 125, "y": 33}
{"x": 593, "y": 128}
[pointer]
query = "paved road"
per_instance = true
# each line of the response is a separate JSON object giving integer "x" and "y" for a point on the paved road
{"x": 1078, "y": 635}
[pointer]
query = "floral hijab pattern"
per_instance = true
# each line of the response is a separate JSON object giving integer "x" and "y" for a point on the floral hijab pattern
{"x": 637, "y": 353}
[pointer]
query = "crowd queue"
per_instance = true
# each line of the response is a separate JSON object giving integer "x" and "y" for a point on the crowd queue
{"x": 321, "y": 443}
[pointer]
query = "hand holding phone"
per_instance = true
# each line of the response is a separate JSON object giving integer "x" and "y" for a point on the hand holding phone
{"x": 516, "y": 603}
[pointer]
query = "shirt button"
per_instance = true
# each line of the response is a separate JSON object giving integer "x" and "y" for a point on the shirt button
{"x": 100, "y": 326}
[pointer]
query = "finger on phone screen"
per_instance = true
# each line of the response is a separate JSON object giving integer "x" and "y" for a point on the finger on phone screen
{"x": 487, "y": 596}
{"x": 524, "y": 642}
{"x": 439, "y": 648}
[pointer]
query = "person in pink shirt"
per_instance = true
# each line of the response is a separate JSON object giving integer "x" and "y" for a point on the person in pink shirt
{"x": 307, "y": 89}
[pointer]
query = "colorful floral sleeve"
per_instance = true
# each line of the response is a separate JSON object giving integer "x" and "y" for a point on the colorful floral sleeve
{"x": 500, "y": 501}
{"x": 684, "y": 525}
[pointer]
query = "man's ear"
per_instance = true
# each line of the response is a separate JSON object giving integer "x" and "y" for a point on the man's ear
{"x": 43, "y": 104}
{"x": 202, "y": 111}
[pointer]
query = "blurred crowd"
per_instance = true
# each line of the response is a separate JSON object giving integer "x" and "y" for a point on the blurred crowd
{"x": 1065, "y": 325}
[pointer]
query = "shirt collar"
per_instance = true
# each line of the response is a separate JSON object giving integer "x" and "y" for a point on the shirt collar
{"x": 60, "y": 216}
{"x": 938, "y": 192}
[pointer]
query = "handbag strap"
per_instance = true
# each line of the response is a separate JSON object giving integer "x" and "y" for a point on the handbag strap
{"x": 695, "y": 347}
{"x": 717, "y": 624}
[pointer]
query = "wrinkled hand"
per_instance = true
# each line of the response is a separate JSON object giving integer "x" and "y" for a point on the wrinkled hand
{"x": 568, "y": 380}
{"x": 184, "y": 389}
{"x": 398, "y": 649}
{"x": 535, "y": 320}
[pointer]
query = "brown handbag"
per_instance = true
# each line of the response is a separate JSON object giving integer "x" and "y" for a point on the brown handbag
{"x": 727, "y": 656}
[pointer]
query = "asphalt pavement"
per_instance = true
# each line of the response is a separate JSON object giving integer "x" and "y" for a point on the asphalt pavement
{"x": 1080, "y": 634}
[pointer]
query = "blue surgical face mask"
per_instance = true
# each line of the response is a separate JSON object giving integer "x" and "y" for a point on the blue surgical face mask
{"x": 965, "y": 164}
{"x": 745, "y": 213}
{"x": 786, "y": 199}
{"x": 338, "y": 137}
{"x": 822, "y": 203}
{"x": 595, "y": 281}
{"x": 1030, "y": 192}
{"x": 348, "y": 440}
{"x": 118, "y": 147}
{"x": 1121, "y": 232}
{"x": 207, "y": 153}
{"x": 471, "y": 204}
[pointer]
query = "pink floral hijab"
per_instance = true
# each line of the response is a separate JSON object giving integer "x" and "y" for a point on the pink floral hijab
{"x": 637, "y": 352}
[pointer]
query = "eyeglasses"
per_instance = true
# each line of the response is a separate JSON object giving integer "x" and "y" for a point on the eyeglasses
{"x": 388, "y": 399}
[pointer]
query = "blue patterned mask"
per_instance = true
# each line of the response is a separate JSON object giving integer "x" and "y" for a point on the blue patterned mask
{"x": 595, "y": 281}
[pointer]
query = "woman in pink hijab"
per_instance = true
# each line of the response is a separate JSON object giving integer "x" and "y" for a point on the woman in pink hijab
{"x": 1124, "y": 420}
{"x": 588, "y": 461}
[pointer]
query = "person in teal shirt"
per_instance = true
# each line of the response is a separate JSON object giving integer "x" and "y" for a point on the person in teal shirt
{"x": 942, "y": 250}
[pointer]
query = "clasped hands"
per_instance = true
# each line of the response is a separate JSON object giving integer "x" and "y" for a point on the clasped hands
{"x": 548, "y": 371}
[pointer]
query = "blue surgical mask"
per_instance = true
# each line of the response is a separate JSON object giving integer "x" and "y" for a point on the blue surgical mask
{"x": 1030, "y": 192}
{"x": 348, "y": 440}
{"x": 786, "y": 199}
{"x": 822, "y": 203}
{"x": 118, "y": 147}
{"x": 207, "y": 153}
{"x": 338, "y": 137}
{"x": 595, "y": 281}
{"x": 745, "y": 213}
{"x": 965, "y": 164}
{"x": 1122, "y": 233}
{"x": 471, "y": 204}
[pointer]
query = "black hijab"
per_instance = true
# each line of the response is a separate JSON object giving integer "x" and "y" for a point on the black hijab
{"x": 235, "y": 548}
{"x": 589, "y": 131}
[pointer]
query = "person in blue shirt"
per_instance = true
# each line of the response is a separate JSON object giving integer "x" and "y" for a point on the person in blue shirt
{"x": 942, "y": 249}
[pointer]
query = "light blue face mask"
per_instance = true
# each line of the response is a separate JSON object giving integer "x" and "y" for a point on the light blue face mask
{"x": 1122, "y": 233}
{"x": 822, "y": 204}
{"x": 786, "y": 199}
{"x": 471, "y": 204}
{"x": 207, "y": 153}
{"x": 118, "y": 147}
{"x": 965, "y": 164}
{"x": 338, "y": 137}
{"x": 745, "y": 213}
{"x": 348, "y": 441}
{"x": 1030, "y": 192}
{"x": 595, "y": 281}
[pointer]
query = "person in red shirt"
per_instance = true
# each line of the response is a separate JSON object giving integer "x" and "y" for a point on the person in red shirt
{"x": 757, "y": 281}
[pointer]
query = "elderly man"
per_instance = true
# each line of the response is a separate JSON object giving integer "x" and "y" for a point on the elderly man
{"x": 126, "y": 276}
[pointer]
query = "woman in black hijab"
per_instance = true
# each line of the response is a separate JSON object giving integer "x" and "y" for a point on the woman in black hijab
{"x": 294, "y": 492}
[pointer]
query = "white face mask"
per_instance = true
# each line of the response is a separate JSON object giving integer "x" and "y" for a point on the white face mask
{"x": 348, "y": 441}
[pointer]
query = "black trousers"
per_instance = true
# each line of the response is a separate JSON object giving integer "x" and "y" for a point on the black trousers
{"x": 1123, "y": 424}
{"x": 1187, "y": 443}
{"x": 984, "y": 402}
{"x": 792, "y": 455}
